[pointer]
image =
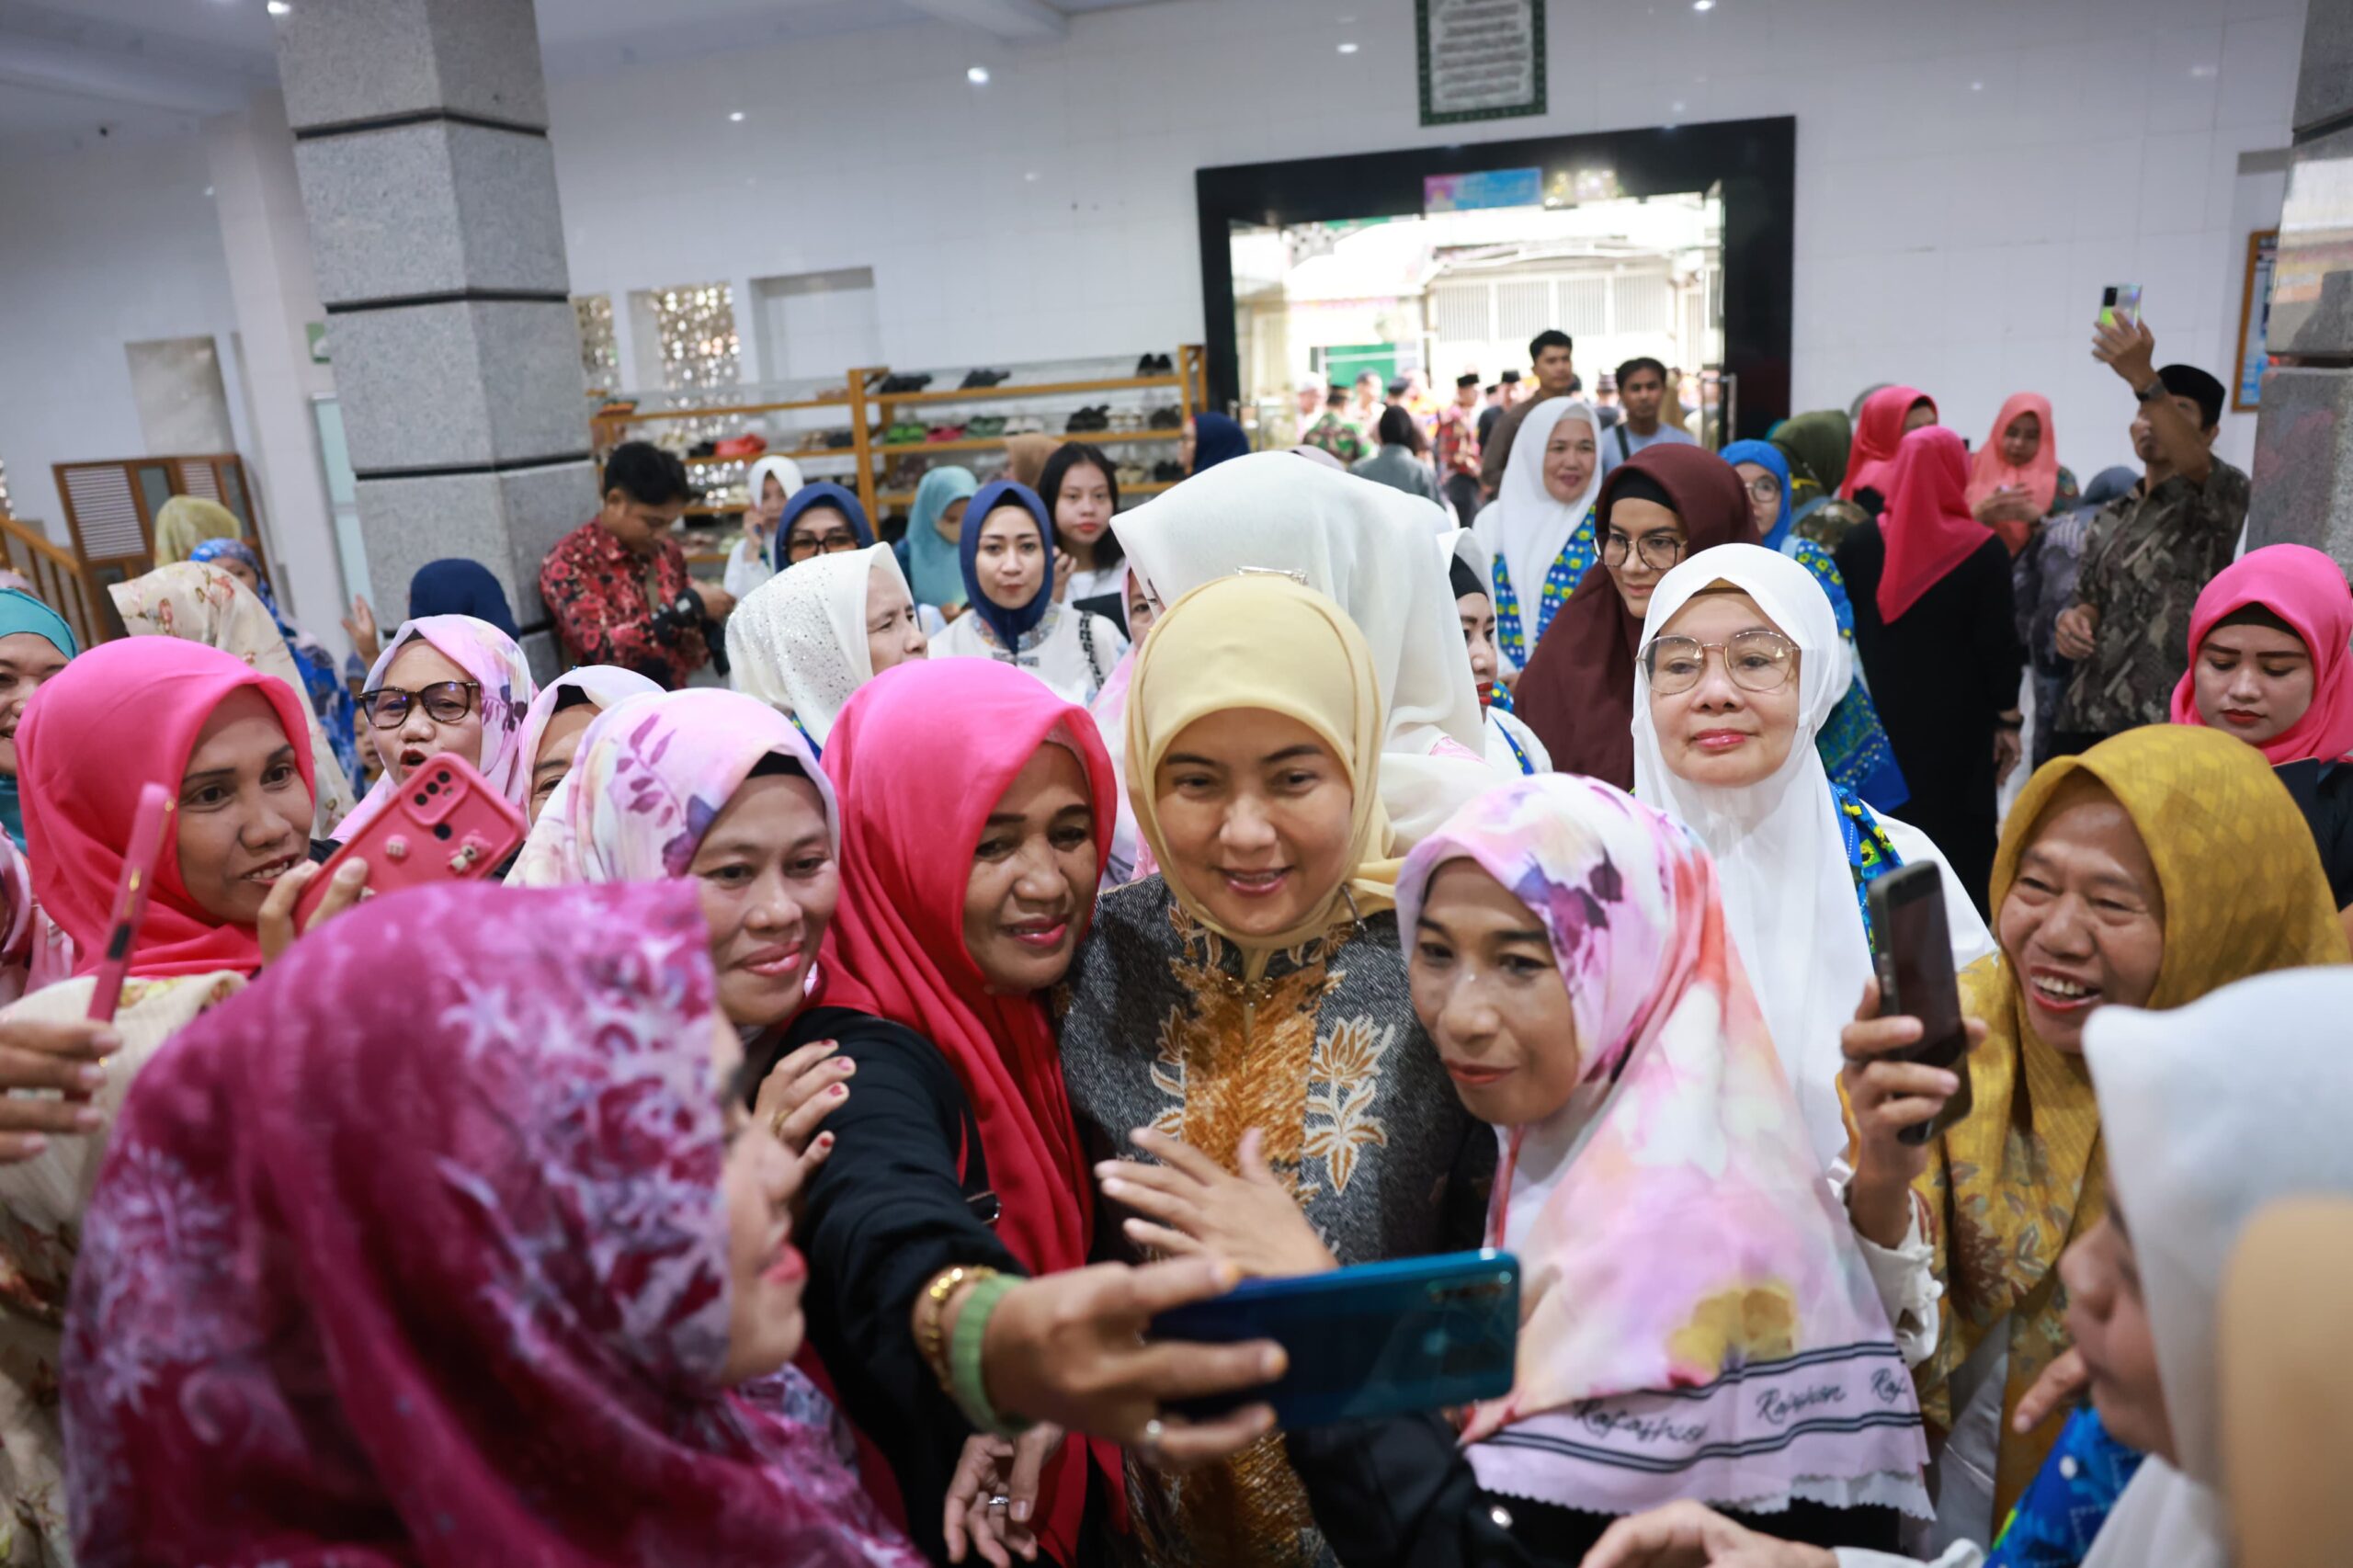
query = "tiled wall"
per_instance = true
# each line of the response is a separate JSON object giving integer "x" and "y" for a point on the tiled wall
{"x": 1970, "y": 171}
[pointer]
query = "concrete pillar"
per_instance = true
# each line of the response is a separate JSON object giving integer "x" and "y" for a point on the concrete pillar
{"x": 2304, "y": 438}
{"x": 421, "y": 141}
{"x": 268, "y": 246}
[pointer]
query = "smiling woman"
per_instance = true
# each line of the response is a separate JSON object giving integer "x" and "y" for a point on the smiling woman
{"x": 1257, "y": 982}
{"x": 234, "y": 747}
{"x": 2159, "y": 866}
{"x": 1011, "y": 571}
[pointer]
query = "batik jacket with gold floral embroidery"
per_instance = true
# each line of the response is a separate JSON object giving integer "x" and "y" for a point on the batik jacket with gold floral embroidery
{"x": 1159, "y": 1029}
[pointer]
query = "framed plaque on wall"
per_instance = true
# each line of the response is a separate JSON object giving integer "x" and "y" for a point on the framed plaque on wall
{"x": 1479, "y": 59}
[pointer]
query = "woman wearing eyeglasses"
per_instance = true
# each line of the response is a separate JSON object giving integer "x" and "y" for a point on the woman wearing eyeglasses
{"x": 1662, "y": 504}
{"x": 1741, "y": 665}
{"x": 1933, "y": 622}
{"x": 446, "y": 684}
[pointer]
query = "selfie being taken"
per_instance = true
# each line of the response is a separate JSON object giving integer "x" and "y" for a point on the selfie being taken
{"x": 1176, "y": 784}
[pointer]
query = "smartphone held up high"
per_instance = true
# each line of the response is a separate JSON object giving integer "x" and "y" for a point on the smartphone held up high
{"x": 2121, "y": 302}
{"x": 1913, "y": 948}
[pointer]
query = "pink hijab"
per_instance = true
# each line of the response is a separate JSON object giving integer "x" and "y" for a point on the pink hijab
{"x": 1928, "y": 525}
{"x": 119, "y": 717}
{"x": 416, "y": 1252}
{"x": 1989, "y": 471}
{"x": 912, "y": 809}
{"x": 492, "y": 662}
{"x": 2306, "y": 589}
{"x": 1878, "y": 433}
{"x": 1696, "y": 1320}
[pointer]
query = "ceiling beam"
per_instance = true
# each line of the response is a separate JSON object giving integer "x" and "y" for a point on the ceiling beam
{"x": 1011, "y": 20}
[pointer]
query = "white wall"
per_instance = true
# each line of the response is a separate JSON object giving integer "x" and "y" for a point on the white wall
{"x": 1951, "y": 237}
{"x": 1948, "y": 235}
{"x": 98, "y": 249}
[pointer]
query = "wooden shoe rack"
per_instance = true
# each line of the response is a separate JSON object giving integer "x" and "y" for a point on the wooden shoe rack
{"x": 869, "y": 413}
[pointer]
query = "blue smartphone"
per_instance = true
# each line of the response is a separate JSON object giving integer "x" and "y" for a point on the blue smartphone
{"x": 1378, "y": 1339}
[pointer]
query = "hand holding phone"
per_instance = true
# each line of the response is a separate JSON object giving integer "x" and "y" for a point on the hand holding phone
{"x": 1912, "y": 949}
{"x": 139, "y": 862}
{"x": 2121, "y": 302}
{"x": 444, "y": 823}
{"x": 1376, "y": 1339}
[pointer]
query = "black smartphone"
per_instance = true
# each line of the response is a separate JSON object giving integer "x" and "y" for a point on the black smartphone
{"x": 1912, "y": 948}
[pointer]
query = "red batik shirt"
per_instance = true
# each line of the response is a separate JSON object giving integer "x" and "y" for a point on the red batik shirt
{"x": 597, "y": 593}
{"x": 1458, "y": 441}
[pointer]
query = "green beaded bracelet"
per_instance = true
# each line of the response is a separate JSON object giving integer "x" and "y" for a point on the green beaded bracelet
{"x": 968, "y": 1387}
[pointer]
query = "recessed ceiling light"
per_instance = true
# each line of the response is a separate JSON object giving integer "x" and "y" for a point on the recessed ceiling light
{"x": 1676, "y": 107}
{"x": 977, "y": 74}
{"x": 2201, "y": 70}
{"x": 736, "y": 115}
{"x": 1703, "y": 5}
{"x": 1348, "y": 49}
{"x": 208, "y": 190}
{"x": 280, "y": 8}
{"x": 1976, "y": 86}
{"x": 1031, "y": 175}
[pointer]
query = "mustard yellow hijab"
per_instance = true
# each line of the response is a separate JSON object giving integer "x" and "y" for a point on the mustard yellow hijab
{"x": 2022, "y": 1177}
{"x": 185, "y": 521}
{"x": 1262, "y": 641}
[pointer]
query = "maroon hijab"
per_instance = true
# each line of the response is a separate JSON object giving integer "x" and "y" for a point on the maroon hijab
{"x": 415, "y": 1252}
{"x": 1578, "y": 691}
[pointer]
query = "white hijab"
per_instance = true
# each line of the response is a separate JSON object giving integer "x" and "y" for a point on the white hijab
{"x": 1526, "y": 526}
{"x": 798, "y": 642}
{"x": 1781, "y": 854}
{"x": 1366, "y": 547}
{"x": 787, "y": 472}
{"x": 2209, "y": 1113}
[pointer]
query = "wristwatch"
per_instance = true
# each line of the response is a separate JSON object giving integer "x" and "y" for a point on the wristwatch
{"x": 2154, "y": 391}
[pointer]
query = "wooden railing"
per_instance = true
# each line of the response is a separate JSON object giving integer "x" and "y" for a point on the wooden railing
{"x": 57, "y": 580}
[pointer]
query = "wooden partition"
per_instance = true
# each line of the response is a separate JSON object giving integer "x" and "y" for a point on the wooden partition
{"x": 110, "y": 506}
{"x": 57, "y": 580}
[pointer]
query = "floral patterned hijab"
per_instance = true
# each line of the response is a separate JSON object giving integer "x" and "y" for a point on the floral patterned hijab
{"x": 201, "y": 603}
{"x": 436, "y": 1267}
{"x": 490, "y": 661}
{"x": 1696, "y": 1321}
{"x": 651, "y": 777}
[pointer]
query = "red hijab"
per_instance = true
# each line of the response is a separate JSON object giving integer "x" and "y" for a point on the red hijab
{"x": 124, "y": 715}
{"x": 1989, "y": 469}
{"x": 1928, "y": 525}
{"x": 2306, "y": 589}
{"x": 911, "y": 820}
{"x": 1578, "y": 691}
{"x": 1878, "y": 433}
{"x": 415, "y": 1252}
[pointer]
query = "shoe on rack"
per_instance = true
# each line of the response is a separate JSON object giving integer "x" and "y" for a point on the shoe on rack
{"x": 1144, "y": 366}
{"x": 703, "y": 450}
{"x": 981, "y": 378}
{"x": 837, "y": 439}
{"x": 745, "y": 446}
{"x": 944, "y": 433}
{"x": 1168, "y": 418}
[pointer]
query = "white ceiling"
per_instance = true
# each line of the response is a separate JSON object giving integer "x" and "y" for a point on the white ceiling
{"x": 150, "y": 69}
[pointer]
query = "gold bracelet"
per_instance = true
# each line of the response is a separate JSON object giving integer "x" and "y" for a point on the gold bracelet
{"x": 930, "y": 1336}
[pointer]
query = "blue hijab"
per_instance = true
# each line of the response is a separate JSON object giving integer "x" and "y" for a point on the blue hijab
{"x": 1766, "y": 455}
{"x": 1010, "y": 625}
{"x": 459, "y": 587}
{"x": 322, "y": 682}
{"x": 20, "y": 612}
{"x": 1217, "y": 438}
{"x": 932, "y": 571}
{"x": 824, "y": 492}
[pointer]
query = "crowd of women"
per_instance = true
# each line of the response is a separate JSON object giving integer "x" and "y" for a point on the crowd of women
{"x": 1071, "y": 912}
